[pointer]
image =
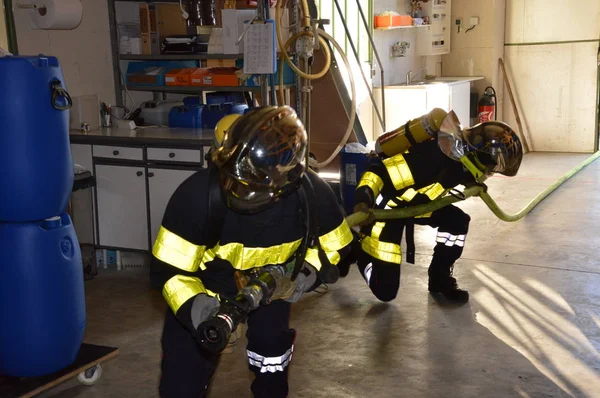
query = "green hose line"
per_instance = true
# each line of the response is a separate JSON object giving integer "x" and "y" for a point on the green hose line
{"x": 476, "y": 190}
{"x": 413, "y": 211}
{"x": 515, "y": 217}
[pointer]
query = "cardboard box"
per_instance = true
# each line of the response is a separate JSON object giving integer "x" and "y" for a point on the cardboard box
{"x": 221, "y": 63}
{"x": 169, "y": 20}
{"x": 179, "y": 77}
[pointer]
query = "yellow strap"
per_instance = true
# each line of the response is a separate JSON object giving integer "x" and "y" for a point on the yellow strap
{"x": 372, "y": 181}
{"x": 180, "y": 289}
{"x": 408, "y": 195}
{"x": 399, "y": 171}
{"x": 312, "y": 257}
{"x": 388, "y": 252}
{"x": 176, "y": 251}
{"x": 377, "y": 228}
{"x": 433, "y": 191}
{"x": 336, "y": 239}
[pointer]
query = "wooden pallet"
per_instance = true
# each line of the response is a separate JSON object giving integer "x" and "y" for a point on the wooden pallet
{"x": 90, "y": 355}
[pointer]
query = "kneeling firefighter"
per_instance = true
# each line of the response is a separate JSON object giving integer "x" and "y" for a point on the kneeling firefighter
{"x": 421, "y": 161}
{"x": 253, "y": 209}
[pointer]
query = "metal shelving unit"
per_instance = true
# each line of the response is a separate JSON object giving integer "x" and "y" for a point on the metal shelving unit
{"x": 194, "y": 89}
{"x": 176, "y": 57}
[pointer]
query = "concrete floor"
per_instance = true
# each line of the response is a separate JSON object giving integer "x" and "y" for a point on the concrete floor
{"x": 532, "y": 328}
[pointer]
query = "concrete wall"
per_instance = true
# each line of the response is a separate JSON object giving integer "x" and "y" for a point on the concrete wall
{"x": 476, "y": 53}
{"x": 84, "y": 53}
{"x": 555, "y": 83}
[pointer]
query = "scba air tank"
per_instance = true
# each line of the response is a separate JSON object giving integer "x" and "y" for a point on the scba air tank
{"x": 36, "y": 169}
{"x": 414, "y": 131}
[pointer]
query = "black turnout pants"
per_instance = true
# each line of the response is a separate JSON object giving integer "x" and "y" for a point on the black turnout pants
{"x": 384, "y": 277}
{"x": 187, "y": 370}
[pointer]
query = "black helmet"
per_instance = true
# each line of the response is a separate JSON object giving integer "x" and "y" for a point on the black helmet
{"x": 261, "y": 158}
{"x": 497, "y": 147}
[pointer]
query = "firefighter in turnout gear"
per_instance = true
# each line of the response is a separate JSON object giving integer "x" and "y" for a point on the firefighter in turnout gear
{"x": 425, "y": 172}
{"x": 245, "y": 212}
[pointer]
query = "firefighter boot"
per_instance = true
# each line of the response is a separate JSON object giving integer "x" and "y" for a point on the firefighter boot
{"x": 442, "y": 282}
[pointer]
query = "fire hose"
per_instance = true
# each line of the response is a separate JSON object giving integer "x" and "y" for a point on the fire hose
{"x": 479, "y": 190}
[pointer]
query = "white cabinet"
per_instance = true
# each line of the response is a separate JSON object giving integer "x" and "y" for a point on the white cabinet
{"x": 401, "y": 105}
{"x": 435, "y": 38}
{"x": 162, "y": 183}
{"x": 122, "y": 212}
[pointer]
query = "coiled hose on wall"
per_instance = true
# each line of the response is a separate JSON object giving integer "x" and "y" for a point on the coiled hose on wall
{"x": 307, "y": 30}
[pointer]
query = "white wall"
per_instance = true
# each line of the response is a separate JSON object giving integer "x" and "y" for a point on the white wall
{"x": 84, "y": 53}
{"x": 476, "y": 53}
{"x": 555, "y": 84}
{"x": 395, "y": 69}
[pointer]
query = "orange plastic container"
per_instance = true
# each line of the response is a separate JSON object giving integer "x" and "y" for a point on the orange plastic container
{"x": 179, "y": 77}
{"x": 215, "y": 77}
{"x": 387, "y": 21}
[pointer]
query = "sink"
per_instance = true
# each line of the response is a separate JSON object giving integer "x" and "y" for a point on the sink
{"x": 422, "y": 83}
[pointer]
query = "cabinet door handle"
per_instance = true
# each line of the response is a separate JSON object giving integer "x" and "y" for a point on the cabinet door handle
{"x": 139, "y": 174}
{"x": 115, "y": 152}
{"x": 172, "y": 155}
{"x": 150, "y": 174}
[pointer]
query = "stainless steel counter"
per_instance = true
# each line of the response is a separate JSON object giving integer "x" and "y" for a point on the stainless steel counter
{"x": 143, "y": 136}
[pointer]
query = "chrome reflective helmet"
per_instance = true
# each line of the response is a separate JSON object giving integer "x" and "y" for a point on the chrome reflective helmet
{"x": 497, "y": 147}
{"x": 486, "y": 148}
{"x": 261, "y": 158}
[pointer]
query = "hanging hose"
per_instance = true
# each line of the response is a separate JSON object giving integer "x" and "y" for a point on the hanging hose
{"x": 323, "y": 45}
{"x": 478, "y": 190}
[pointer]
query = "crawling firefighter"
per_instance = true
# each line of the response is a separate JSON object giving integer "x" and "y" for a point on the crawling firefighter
{"x": 417, "y": 164}
{"x": 251, "y": 216}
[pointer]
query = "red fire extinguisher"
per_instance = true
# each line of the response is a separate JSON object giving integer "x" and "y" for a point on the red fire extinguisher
{"x": 487, "y": 106}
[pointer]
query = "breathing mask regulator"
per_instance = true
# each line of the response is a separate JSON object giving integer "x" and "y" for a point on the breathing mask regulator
{"x": 484, "y": 149}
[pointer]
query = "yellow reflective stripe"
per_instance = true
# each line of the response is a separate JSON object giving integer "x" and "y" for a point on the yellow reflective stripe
{"x": 391, "y": 204}
{"x": 399, "y": 171}
{"x": 388, "y": 252}
{"x": 176, "y": 251}
{"x": 180, "y": 289}
{"x": 336, "y": 239}
{"x": 432, "y": 191}
{"x": 426, "y": 215}
{"x": 377, "y": 228}
{"x": 372, "y": 181}
{"x": 312, "y": 257}
{"x": 244, "y": 258}
{"x": 408, "y": 195}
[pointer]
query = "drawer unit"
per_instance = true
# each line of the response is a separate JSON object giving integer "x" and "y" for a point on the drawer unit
{"x": 175, "y": 155}
{"x": 118, "y": 152}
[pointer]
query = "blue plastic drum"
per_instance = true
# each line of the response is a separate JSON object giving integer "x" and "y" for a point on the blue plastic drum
{"x": 35, "y": 154}
{"x": 42, "y": 302}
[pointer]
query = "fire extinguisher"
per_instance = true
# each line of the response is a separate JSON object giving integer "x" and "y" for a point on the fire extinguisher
{"x": 487, "y": 106}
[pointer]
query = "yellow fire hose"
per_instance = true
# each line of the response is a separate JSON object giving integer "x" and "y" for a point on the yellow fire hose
{"x": 477, "y": 190}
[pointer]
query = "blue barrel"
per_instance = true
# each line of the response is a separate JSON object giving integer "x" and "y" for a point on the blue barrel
{"x": 42, "y": 302}
{"x": 352, "y": 167}
{"x": 35, "y": 155}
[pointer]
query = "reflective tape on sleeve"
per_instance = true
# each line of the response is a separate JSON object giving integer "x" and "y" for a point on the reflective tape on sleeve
{"x": 372, "y": 181}
{"x": 176, "y": 251}
{"x": 399, "y": 171}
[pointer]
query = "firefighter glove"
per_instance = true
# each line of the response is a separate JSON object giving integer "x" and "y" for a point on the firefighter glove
{"x": 364, "y": 208}
{"x": 204, "y": 307}
{"x": 304, "y": 282}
